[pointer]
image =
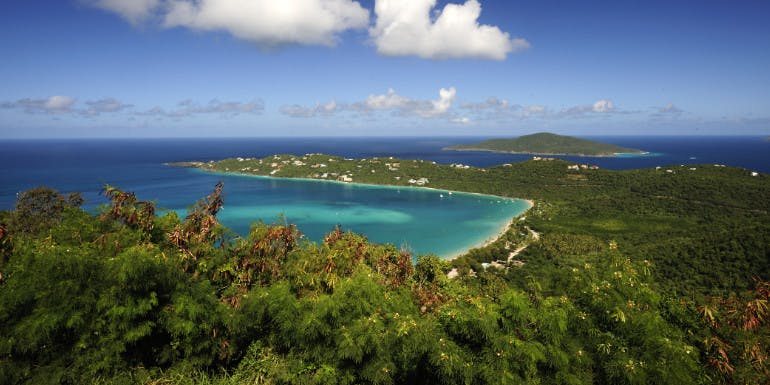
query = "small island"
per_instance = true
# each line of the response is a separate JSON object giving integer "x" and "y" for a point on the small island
{"x": 547, "y": 144}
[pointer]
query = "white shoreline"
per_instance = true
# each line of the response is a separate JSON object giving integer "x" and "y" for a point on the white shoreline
{"x": 503, "y": 229}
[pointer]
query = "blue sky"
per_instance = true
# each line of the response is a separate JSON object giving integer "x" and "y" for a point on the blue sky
{"x": 192, "y": 68}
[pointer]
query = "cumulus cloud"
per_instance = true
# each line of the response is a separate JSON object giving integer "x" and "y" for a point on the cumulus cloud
{"x": 388, "y": 101}
{"x": 445, "y": 99}
{"x": 189, "y": 107}
{"x": 603, "y": 105}
{"x": 132, "y": 10}
{"x": 51, "y": 105}
{"x": 409, "y": 107}
{"x": 268, "y": 22}
{"x": 405, "y": 27}
{"x": 297, "y": 111}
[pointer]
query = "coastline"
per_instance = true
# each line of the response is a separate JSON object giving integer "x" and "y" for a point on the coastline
{"x": 449, "y": 256}
{"x": 490, "y": 240}
{"x": 359, "y": 184}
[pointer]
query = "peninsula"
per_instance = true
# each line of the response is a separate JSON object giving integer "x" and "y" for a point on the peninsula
{"x": 547, "y": 144}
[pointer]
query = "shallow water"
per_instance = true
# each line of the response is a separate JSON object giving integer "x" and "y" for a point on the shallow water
{"x": 420, "y": 220}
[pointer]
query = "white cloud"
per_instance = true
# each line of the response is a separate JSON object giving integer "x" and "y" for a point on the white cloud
{"x": 390, "y": 100}
{"x": 603, "y": 105}
{"x": 268, "y": 22}
{"x": 132, "y": 10}
{"x": 58, "y": 103}
{"x": 53, "y": 104}
{"x": 297, "y": 111}
{"x": 442, "y": 105}
{"x": 406, "y": 106}
{"x": 404, "y": 27}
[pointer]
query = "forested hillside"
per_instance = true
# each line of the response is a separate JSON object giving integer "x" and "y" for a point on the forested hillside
{"x": 131, "y": 295}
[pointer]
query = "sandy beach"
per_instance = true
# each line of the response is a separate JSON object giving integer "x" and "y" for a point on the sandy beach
{"x": 503, "y": 229}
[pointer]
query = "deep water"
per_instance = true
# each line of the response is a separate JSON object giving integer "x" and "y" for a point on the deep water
{"x": 417, "y": 219}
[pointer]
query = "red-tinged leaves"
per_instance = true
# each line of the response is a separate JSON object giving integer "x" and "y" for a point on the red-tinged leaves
{"x": 742, "y": 320}
{"x": 125, "y": 208}
{"x": 396, "y": 268}
{"x": 200, "y": 224}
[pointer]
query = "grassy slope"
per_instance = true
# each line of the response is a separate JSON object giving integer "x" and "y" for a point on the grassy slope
{"x": 548, "y": 144}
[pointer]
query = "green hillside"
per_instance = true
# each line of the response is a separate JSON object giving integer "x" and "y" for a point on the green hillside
{"x": 652, "y": 276}
{"x": 546, "y": 144}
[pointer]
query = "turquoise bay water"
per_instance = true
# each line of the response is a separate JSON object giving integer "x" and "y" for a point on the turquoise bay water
{"x": 420, "y": 220}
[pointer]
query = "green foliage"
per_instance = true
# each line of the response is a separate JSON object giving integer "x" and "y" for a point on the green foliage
{"x": 38, "y": 209}
{"x": 132, "y": 297}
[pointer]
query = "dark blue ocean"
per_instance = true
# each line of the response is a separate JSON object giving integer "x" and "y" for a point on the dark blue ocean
{"x": 383, "y": 214}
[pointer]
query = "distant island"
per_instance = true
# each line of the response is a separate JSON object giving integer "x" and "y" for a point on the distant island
{"x": 547, "y": 144}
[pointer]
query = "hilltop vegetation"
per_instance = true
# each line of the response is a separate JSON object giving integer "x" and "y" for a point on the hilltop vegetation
{"x": 546, "y": 144}
{"x": 643, "y": 276}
